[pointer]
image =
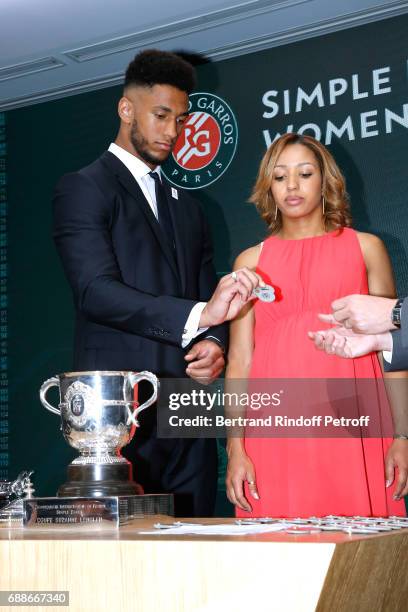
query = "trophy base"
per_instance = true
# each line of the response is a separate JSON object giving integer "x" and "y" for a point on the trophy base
{"x": 99, "y": 480}
{"x": 89, "y": 513}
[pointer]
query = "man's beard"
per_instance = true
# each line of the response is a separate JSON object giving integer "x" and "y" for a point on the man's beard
{"x": 140, "y": 145}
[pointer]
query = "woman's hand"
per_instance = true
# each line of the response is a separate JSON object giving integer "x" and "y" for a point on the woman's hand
{"x": 240, "y": 470}
{"x": 397, "y": 457}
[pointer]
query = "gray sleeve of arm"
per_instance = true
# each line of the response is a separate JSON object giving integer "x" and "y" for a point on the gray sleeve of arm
{"x": 399, "y": 359}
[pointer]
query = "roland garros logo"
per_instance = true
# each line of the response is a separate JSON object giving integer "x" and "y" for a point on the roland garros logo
{"x": 206, "y": 146}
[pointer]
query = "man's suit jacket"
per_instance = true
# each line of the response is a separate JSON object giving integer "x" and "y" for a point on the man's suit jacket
{"x": 400, "y": 343}
{"x": 132, "y": 296}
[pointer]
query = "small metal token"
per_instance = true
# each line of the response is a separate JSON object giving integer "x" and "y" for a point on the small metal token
{"x": 366, "y": 530}
{"x": 398, "y": 525}
{"x": 301, "y": 530}
{"x": 265, "y": 294}
{"x": 379, "y": 527}
{"x": 329, "y": 528}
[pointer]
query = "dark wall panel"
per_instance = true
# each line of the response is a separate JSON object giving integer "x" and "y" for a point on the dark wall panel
{"x": 47, "y": 140}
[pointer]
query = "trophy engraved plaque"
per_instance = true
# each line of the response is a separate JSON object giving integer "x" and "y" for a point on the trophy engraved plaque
{"x": 98, "y": 513}
{"x": 98, "y": 414}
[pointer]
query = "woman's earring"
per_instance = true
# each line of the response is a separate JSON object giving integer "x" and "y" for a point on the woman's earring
{"x": 276, "y": 212}
{"x": 323, "y": 205}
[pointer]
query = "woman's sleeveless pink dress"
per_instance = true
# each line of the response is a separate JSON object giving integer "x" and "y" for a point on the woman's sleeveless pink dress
{"x": 313, "y": 476}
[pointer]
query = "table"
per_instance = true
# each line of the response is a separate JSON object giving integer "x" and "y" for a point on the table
{"x": 127, "y": 572}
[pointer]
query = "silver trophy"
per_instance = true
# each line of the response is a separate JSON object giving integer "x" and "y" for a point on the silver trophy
{"x": 12, "y": 495}
{"x": 98, "y": 417}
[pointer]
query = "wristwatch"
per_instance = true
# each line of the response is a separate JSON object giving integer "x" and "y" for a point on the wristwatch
{"x": 396, "y": 313}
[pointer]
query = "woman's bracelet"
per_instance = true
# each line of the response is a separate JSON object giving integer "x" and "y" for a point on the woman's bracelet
{"x": 400, "y": 437}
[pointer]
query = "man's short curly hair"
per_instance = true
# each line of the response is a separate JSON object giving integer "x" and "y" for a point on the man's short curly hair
{"x": 155, "y": 67}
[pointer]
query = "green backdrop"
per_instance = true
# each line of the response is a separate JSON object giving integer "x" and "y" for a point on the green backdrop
{"x": 353, "y": 81}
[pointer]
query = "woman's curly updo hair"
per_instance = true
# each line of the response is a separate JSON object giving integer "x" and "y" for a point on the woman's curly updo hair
{"x": 336, "y": 205}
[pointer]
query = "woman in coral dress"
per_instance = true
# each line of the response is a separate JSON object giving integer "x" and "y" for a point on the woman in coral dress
{"x": 311, "y": 258}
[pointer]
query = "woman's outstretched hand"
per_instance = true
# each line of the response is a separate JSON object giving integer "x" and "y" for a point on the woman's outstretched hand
{"x": 397, "y": 458}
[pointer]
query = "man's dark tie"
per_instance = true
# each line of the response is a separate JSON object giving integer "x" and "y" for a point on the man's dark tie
{"x": 163, "y": 212}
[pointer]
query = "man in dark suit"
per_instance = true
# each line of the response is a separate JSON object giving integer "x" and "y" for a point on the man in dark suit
{"x": 367, "y": 323}
{"x": 137, "y": 254}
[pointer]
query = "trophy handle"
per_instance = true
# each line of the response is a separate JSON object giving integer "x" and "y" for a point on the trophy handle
{"x": 135, "y": 378}
{"x": 51, "y": 382}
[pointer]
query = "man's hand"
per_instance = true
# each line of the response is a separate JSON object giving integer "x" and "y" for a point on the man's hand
{"x": 345, "y": 343}
{"x": 231, "y": 294}
{"x": 206, "y": 361}
{"x": 364, "y": 314}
